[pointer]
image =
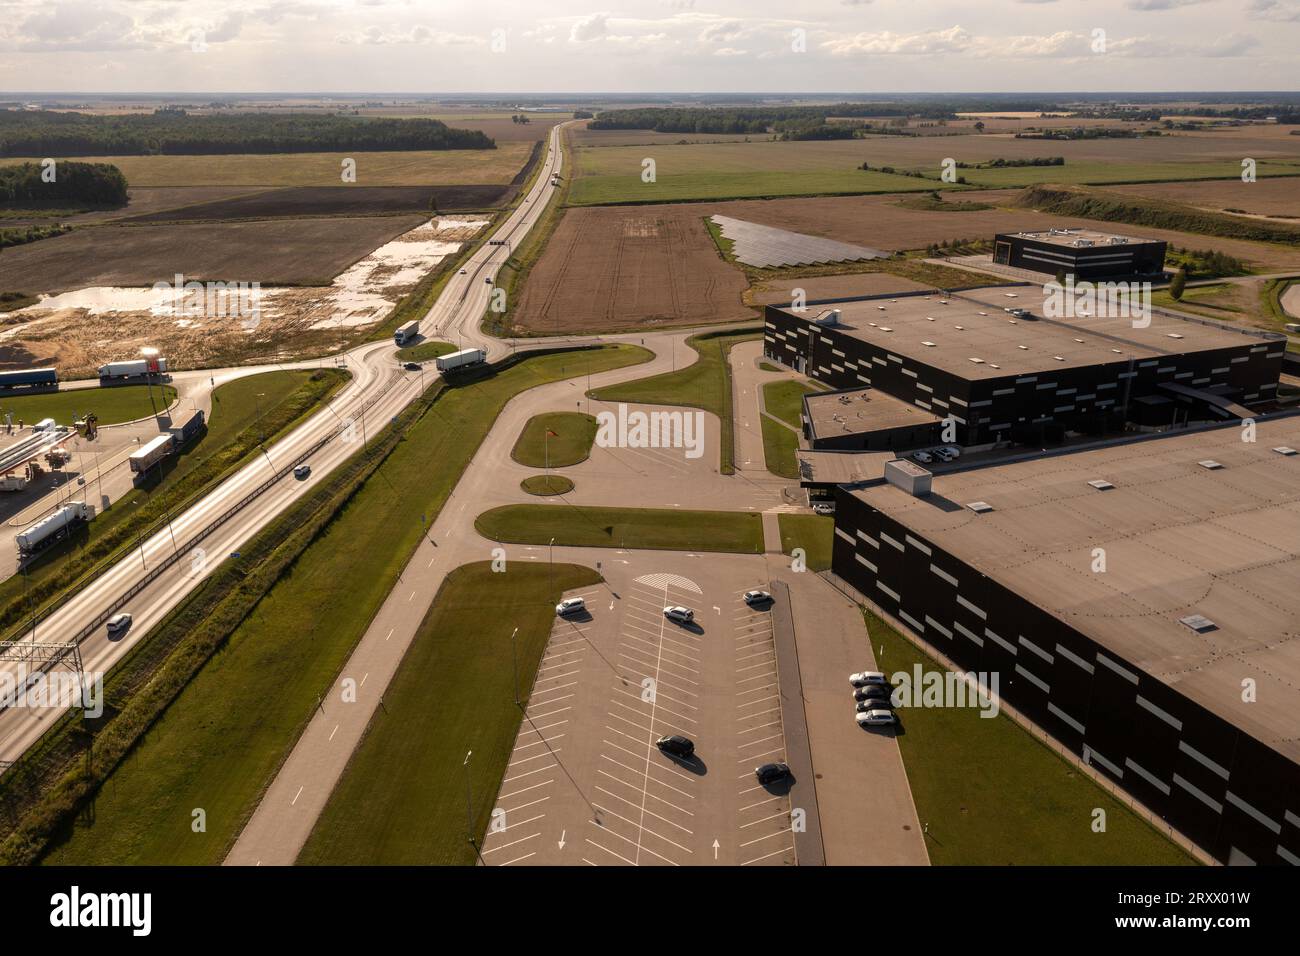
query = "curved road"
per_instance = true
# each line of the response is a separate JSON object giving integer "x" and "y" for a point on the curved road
{"x": 378, "y": 391}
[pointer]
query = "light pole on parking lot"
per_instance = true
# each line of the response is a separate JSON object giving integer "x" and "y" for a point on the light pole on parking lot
{"x": 514, "y": 661}
{"x": 469, "y": 802}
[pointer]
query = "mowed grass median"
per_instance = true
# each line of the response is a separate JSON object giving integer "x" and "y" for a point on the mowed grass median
{"x": 706, "y": 384}
{"x": 453, "y": 693}
{"x": 221, "y": 741}
{"x": 660, "y": 529}
{"x": 555, "y": 439}
{"x": 120, "y": 403}
{"x": 989, "y": 794}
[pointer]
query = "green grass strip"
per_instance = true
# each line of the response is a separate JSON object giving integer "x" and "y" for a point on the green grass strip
{"x": 654, "y": 528}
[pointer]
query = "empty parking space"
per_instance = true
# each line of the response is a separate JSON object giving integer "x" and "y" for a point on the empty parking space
{"x": 587, "y": 784}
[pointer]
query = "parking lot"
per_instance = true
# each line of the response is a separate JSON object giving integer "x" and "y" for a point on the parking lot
{"x": 586, "y": 784}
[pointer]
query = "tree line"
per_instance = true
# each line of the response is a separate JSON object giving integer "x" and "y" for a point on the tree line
{"x": 175, "y": 132}
{"x": 752, "y": 119}
{"x": 71, "y": 185}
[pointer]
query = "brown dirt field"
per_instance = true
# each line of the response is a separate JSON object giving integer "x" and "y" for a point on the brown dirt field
{"x": 275, "y": 252}
{"x": 1265, "y": 197}
{"x": 834, "y": 287}
{"x": 615, "y": 268}
{"x": 336, "y": 201}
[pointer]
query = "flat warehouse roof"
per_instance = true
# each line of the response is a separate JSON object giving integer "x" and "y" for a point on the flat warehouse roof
{"x": 1079, "y": 238}
{"x": 973, "y": 337}
{"x": 861, "y": 410}
{"x": 1182, "y": 537}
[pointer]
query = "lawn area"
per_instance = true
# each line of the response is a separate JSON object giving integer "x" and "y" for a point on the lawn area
{"x": 547, "y": 485}
{"x": 204, "y": 752}
{"x": 992, "y": 795}
{"x": 664, "y": 529}
{"x": 813, "y": 533}
{"x": 453, "y": 693}
{"x": 627, "y": 187}
{"x": 1098, "y": 172}
{"x": 779, "y": 447}
{"x": 785, "y": 400}
{"x": 556, "y": 439}
{"x": 425, "y": 351}
{"x": 120, "y": 403}
{"x": 229, "y": 439}
{"x": 704, "y": 384}
{"x": 450, "y": 167}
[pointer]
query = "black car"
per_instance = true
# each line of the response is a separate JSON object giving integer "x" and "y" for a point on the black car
{"x": 771, "y": 773}
{"x": 872, "y": 692}
{"x": 412, "y": 366}
{"x": 874, "y": 703}
{"x": 677, "y": 746}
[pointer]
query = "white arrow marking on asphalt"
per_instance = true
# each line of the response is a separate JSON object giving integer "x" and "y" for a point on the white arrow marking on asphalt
{"x": 562, "y": 833}
{"x": 716, "y": 844}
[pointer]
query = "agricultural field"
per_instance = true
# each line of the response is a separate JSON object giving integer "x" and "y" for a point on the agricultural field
{"x": 762, "y": 167}
{"x": 303, "y": 201}
{"x": 630, "y": 268}
{"x": 1271, "y": 198}
{"x": 288, "y": 252}
{"x": 461, "y": 167}
{"x": 846, "y": 286}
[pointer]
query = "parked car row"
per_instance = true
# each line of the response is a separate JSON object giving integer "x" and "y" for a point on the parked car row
{"x": 872, "y": 704}
{"x": 674, "y": 612}
{"x": 943, "y": 453}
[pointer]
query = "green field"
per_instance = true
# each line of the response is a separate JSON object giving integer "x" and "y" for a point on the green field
{"x": 739, "y": 532}
{"x": 555, "y": 439}
{"x": 121, "y": 403}
{"x": 454, "y": 693}
{"x": 704, "y": 384}
{"x": 813, "y": 533}
{"x": 204, "y": 752}
{"x": 230, "y": 438}
{"x": 547, "y": 485}
{"x": 1099, "y": 172}
{"x": 989, "y": 794}
{"x": 425, "y": 351}
{"x": 779, "y": 447}
{"x": 620, "y": 188}
{"x": 450, "y": 167}
{"x": 785, "y": 400}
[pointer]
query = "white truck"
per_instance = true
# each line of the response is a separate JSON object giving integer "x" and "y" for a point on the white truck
{"x": 407, "y": 333}
{"x": 53, "y": 527}
{"x": 150, "y": 454}
{"x": 461, "y": 359}
{"x": 133, "y": 369}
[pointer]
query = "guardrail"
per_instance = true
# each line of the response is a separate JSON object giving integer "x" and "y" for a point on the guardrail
{"x": 167, "y": 562}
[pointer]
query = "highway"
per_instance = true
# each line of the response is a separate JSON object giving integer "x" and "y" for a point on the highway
{"x": 379, "y": 389}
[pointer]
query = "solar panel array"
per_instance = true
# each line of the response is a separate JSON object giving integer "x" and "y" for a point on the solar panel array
{"x": 765, "y": 247}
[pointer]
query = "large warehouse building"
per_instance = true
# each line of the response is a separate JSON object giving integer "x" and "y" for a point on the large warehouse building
{"x": 1000, "y": 376}
{"x": 1139, "y": 601}
{"x": 1082, "y": 253}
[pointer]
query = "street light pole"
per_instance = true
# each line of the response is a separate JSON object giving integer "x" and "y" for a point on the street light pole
{"x": 469, "y": 802}
{"x": 514, "y": 661}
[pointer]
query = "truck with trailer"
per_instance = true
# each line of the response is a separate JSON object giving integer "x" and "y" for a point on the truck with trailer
{"x": 150, "y": 454}
{"x": 135, "y": 368}
{"x": 407, "y": 333}
{"x": 462, "y": 359}
{"x": 192, "y": 427}
{"x": 54, "y": 527}
{"x": 29, "y": 378}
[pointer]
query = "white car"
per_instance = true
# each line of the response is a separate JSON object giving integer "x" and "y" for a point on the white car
{"x": 952, "y": 450}
{"x": 923, "y": 457}
{"x": 302, "y": 472}
{"x": 943, "y": 455}
{"x": 863, "y": 678}
{"x": 682, "y": 615}
{"x": 119, "y": 623}
{"x": 875, "y": 718}
{"x": 823, "y": 508}
{"x": 757, "y": 597}
{"x": 570, "y": 606}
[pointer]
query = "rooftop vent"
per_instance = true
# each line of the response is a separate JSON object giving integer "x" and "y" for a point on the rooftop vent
{"x": 1059, "y": 358}
{"x": 1024, "y": 348}
{"x": 1210, "y": 464}
{"x": 1117, "y": 351}
{"x": 960, "y": 328}
{"x": 1284, "y": 450}
{"x": 1101, "y": 484}
{"x": 977, "y": 361}
{"x": 980, "y": 507}
{"x": 928, "y": 345}
{"x": 1080, "y": 341}
{"x": 885, "y": 328}
{"x": 1174, "y": 335}
{"x": 1198, "y": 623}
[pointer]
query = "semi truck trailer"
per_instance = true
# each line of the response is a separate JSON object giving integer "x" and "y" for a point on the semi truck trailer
{"x": 152, "y": 453}
{"x": 133, "y": 369}
{"x": 53, "y": 527}
{"x": 407, "y": 333}
{"x": 461, "y": 359}
{"x": 29, "y": 377}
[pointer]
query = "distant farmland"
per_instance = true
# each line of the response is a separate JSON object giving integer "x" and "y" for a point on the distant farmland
{"x": 415, "y": 168}
{"x": 736, "y": 169}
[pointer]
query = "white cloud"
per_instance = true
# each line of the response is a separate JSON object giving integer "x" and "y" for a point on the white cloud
{"x": 590, "y": 28}
{"x": 953, "y": 40}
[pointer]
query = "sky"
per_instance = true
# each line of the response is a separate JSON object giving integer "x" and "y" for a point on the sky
{"x": 450, "y": 46}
